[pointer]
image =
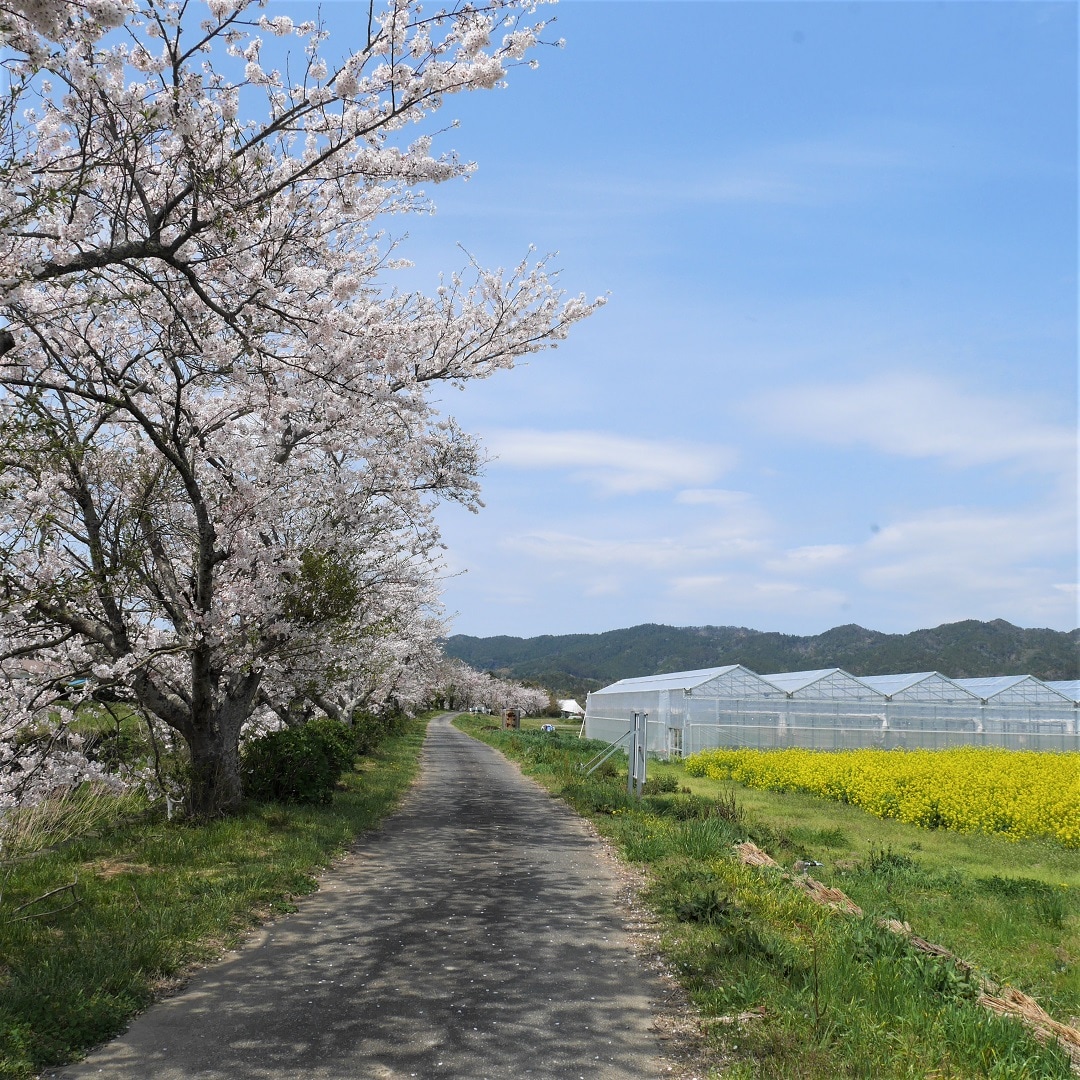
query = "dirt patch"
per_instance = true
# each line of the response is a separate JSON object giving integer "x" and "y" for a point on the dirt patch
{"x": 110, "y": 868}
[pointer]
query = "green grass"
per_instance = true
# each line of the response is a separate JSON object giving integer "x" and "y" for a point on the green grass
{"x": 834, "y": 996}
{"x": 1009, "y": 907}
{"x": 841, "y": 831}
{"x": 149, "y": 899}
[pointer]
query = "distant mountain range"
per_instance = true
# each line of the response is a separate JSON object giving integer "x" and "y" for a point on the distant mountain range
{"x": 573, "y": 664}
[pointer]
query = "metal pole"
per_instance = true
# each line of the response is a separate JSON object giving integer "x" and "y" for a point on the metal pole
{"x": 642, "y": 742}
{"x": 632, "y": 756}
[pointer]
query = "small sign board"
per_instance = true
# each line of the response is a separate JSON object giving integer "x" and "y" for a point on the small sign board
{"x": 511, "y": 718}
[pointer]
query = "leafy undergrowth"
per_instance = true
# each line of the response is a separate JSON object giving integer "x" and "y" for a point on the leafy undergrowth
{"x": 789, "y": 989}
{"x": 139, "y": 902}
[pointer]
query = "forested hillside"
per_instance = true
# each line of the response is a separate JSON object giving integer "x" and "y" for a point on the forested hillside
{"x": 576, "y": 663}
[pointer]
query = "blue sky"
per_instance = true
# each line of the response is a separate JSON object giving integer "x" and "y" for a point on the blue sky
{"x": 836, "y": 377}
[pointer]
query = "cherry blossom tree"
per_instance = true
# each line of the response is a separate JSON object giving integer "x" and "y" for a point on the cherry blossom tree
{"x": 459, "y": 686}
{"x": 28, "y": 26}
{"x": 219, "y": 453}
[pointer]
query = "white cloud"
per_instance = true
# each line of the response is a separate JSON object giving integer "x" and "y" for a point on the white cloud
{"x": 919, "y": 416}
{"x": 615, "y": 464}
{"x": 972, "y": 551}
{"x": 725, "y": 593}
{"x": 809, "y": 172}
{"x": 811, "y": 558}
{"x": 606, "y": 585}
{"x": 654, "y": 552}
{"x": 936, "y": 566}
{"x": 729, "y": 500}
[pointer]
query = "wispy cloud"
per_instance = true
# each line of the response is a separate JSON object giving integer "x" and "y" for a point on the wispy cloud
{"x": 720, "y": 497}
{"x": 918, "y": 416}
{"x": 725, "y": 593}
{"x": 613, "y": 464}
{"x": 934, "y": 566}
{"x": 976, "y": 551}
{"x": 826, "y": 170}
{"x": 812, "y": 558}
{"x": 651, "y": 552}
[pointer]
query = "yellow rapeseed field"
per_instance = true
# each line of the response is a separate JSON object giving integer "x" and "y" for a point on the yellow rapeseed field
{"x": 1016, "y": 792}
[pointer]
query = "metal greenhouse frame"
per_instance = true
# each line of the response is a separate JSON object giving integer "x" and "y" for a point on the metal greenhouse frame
{"x": 1069, "y": 687}
{"x": 830, "y": 709}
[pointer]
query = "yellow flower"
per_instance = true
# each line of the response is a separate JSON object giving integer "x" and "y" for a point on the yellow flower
{"x": 1020, "y": 793}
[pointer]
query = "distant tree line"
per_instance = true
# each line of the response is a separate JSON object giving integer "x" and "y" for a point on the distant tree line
{"x": 574, "y": 664}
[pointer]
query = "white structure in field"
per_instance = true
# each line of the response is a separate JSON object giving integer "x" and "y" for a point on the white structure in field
{"x": 830, "y": 709}
{"x": 570, "y": 708}
{"x": 1069, "y": 687}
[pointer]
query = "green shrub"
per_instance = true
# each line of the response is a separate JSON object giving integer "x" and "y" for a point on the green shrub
{"x": 369, "y": 729}
{"x": 298, "y": 765}
{"x": 662, "y": 783}
{"x": 337, "y": 741}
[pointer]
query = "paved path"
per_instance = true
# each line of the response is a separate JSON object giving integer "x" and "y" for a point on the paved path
{"x": 476, "y": 935}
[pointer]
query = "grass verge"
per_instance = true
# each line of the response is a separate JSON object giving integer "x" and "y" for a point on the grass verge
{"x": 1009, "y": 907}
{"x": 137, "y": 904}
{"x": 788, "y": 989}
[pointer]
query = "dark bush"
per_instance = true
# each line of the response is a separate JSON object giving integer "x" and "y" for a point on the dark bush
{"x": 298, "y": 765}
{"x": 371, "y": 728}
{"x": 662, "y": 783}
{"x": 338, "y": 741}
{"x": 693, "y": 807}
{"x": 707, "y": 905}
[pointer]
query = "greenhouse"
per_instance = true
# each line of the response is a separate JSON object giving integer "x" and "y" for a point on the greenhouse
{"x": 1069, "y": 687}
{"x": 831, "y": 709}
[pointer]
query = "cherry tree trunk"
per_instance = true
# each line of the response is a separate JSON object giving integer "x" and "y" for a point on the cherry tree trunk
{"x": 215, "y": 789}
{"x": 214, "y": 740}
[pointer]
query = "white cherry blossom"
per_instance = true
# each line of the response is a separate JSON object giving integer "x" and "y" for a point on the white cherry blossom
{"x": 220, "y": 449}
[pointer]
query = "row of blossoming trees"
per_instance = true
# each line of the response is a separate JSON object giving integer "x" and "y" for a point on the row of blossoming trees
{"x": 219, "y": 450}
{"x": 463, "y": 687}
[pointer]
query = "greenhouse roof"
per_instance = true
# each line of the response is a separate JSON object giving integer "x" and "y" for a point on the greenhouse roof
{"x": 828, "y": 682}
{"x": 675, "y": 680}
{"x": 790, "y": 681}
{"x": 924, "y": 681}
{"x": 987, "y": 688}
{"x": 736, "y": 681}
{"x": 1018, "y": 688}
{"x": 1069, "y": 687}
{"x": 893, "y": 684}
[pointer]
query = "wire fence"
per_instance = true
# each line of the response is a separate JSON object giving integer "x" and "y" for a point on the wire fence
{"x": 833, "y": 730}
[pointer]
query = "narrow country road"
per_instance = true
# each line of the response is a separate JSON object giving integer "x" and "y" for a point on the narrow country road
{"x": 476, "y": 935}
